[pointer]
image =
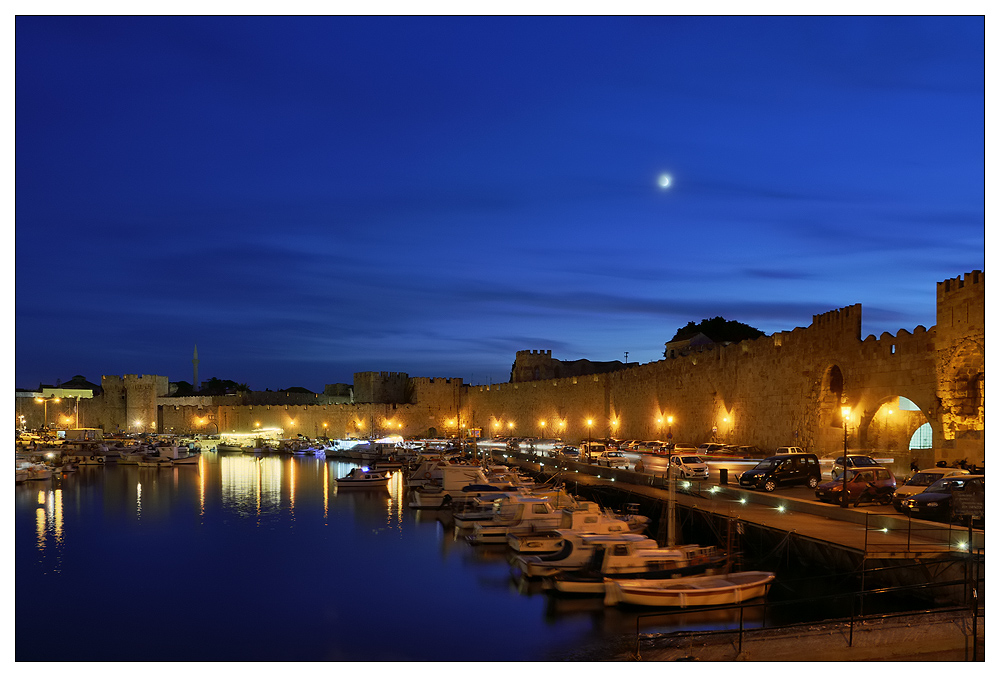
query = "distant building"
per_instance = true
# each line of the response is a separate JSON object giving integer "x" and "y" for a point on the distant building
{"x": 696, "y": 343}
{"x": 539, "y": 365}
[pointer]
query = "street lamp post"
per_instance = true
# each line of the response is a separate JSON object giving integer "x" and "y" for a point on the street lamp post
{"x": 846, "y": 412}
{"x": 45, "y": 408}
{"x": 590, "y": 422}
{"x": 671, "y": 487}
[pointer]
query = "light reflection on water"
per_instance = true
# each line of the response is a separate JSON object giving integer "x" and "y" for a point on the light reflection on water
{"x": 351, "y": 565}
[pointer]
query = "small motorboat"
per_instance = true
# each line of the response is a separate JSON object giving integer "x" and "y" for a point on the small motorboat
{"x": 156, "y": 462}
{"x": 688, "y": 590}
{"x": 26, "y": 472}
{"x": 362, "y": 477}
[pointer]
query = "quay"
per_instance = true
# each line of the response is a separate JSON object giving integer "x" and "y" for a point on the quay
{"x": 855, "y": 541}
{"x": 857, "y": 532}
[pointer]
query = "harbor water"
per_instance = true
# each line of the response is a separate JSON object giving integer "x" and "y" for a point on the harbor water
{"x": 244, "y": 558}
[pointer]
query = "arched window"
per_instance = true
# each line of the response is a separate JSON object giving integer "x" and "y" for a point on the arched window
{"x": 921, "y": 438}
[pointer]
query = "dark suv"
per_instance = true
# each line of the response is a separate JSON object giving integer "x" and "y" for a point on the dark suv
{"x": 783, "y": 470}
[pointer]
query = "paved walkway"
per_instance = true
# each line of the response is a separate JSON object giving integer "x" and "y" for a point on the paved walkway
{"x": 876, "y": 529}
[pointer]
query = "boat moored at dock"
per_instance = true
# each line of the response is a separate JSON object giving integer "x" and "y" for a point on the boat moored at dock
{"x": 361, "y": 478}
{"x": 689, "y": 590}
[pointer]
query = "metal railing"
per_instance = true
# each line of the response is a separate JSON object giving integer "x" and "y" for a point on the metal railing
{"x": 973, "y": 609}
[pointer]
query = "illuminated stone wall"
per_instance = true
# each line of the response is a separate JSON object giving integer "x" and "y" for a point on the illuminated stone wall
{"x": 784, "y": 389}
{"x": 960, "y": 359}
{"x": 380, "y": 387}
{"x": 129, "y": 403}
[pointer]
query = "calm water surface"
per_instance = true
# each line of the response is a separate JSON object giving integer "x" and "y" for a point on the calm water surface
{"x": 263, "y": 559}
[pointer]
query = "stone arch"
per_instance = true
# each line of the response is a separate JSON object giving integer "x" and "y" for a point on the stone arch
{"x": 885, "y": 426}
{"x": 830, "y": 397}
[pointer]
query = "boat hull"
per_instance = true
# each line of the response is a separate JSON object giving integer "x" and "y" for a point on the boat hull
{"x": 688, "y": 591}
{"x": 585, "y": 583}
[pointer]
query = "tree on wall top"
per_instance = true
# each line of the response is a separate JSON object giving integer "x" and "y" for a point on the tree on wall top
{"x": 719, "y": 329}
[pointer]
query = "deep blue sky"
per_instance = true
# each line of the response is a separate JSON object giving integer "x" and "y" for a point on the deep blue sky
{"x": 304, "y": 198}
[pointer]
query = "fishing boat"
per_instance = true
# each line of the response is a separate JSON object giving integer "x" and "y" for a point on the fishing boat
{"x": 26, "y": 472}
{"x": 627, "y": 561}
{"x": 576, "y": 551}
{"x": 362, "y": 477}
{"x": 156, "y": 462}
{"x": 533, "y": 514}
{"x": 131, "y": 457}
{"x": 688, "y": 590}
{"x": 449, "y": 485}
{"x": 587, "y": 517}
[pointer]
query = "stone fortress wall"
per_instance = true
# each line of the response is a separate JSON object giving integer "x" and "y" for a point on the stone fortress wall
{"x": 785, "y": 389}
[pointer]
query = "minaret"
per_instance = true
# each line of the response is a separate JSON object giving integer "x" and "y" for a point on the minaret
{"x": 195, "y": 363}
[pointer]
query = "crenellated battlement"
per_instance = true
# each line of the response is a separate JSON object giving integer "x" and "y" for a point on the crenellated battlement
{"x": 535, "y": 353}
{"x": 955, "y": 285}
{"x": 961, "y": 305}
{"x": 847, "y": 318}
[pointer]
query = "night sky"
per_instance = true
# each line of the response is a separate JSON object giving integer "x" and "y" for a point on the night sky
{"x": 304, "y": 198}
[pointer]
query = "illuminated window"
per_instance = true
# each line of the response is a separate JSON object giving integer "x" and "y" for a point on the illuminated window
{"x": 922, "y": 437}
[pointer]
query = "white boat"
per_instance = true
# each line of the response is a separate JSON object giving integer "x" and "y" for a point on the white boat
{"x": 361, "y": 478}
{"x": 27, "y": 472}
{"x": 448, "y": 484}
{"x": 487, "y": 507}
{"x": 92, "y": 459}
{"x": 502, "y": 505}
{"x": 587, "y": 517}
{"x": 576, "y": 551}
{"x": 131, "y": 458}
{"x": 532, "y": 515}
{"x": 688, "y": 590}
{"x": 627, "y": 561}
{"x": 156, "y": 462}
{"x": 176, "y": 455}
{"x": 432, "y": 497}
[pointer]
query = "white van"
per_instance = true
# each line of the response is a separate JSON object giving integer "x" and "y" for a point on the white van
{"x": 591, "y": 451}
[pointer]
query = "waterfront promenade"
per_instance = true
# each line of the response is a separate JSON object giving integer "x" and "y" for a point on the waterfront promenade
{"x": 865, "y": 530}
{"x": 842, "y": 537}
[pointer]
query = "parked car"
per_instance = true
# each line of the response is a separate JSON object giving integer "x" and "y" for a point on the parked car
{"x": 879, "y": 483}
{"x": 690, "y": 466}
{"x": 783, "y": 470}
{"x": 612, "y": 459}
{"x": 790, "y": 450}
{"x": 937, "y": 502}
{"x": 569, "y": 452}
{"x": 919, "y": 483}
{"x": 711, "y": 448}
{"x": 853, "y": 461}
{"x": 749, "y": 451}
{"x": 683, "y": 448}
